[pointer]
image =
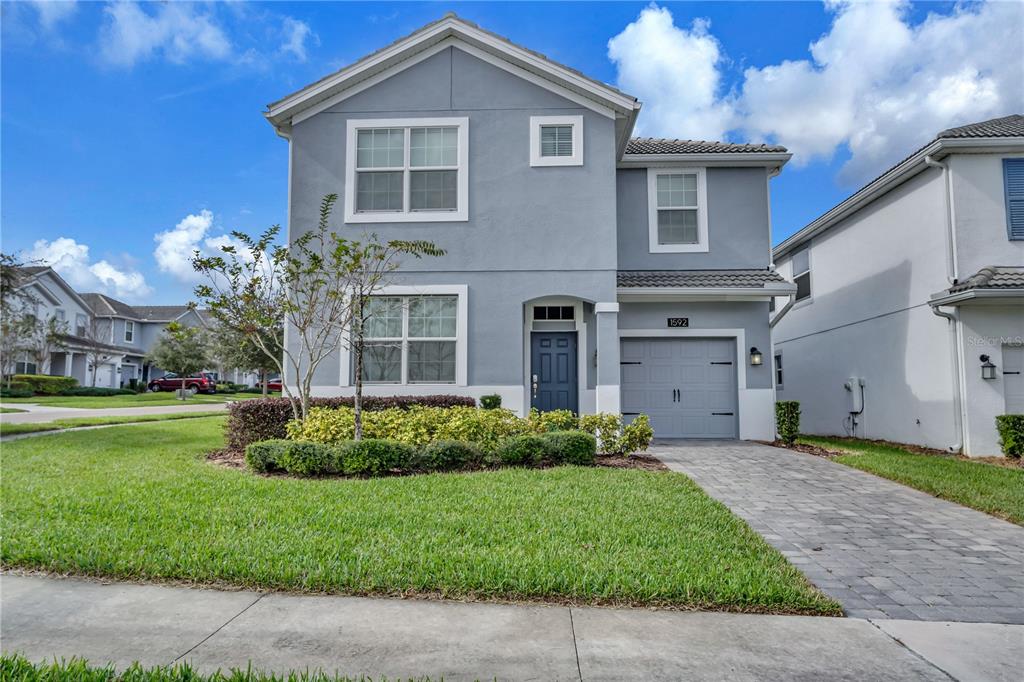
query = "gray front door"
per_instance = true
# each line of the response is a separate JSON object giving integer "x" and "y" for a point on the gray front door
{"x": 553, "y": 375}
{"x": 686, "y": 386}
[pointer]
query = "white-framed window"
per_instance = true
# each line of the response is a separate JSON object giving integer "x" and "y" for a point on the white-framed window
{"x": 778, "y": 370}
{"x": 25, "y": 367}
{"x": 802, "y": 274}
{"x": 81, "y": 324}
{"x": 407, "y": 170}
{"x": 58, "y": 315}
{"x": 677, "y": 210}
{"x": 412, "y": 340}
{"x": 129, "y": 331}
{"x": 556, "y": 140}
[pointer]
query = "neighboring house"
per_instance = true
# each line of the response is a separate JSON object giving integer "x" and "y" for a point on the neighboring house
{"x": 909, "y": 292}
{"x": 585, "y": 269}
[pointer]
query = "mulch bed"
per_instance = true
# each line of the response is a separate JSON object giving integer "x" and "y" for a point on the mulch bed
{"x": 828, "y": 453}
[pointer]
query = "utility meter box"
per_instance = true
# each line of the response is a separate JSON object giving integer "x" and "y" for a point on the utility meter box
{"x": 855, "y": 394}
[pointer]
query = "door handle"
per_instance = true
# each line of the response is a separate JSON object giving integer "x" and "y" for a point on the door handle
{"x": 533, "y": 384}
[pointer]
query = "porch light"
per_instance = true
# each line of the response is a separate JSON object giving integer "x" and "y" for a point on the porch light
{"x": 755, "y": 356}
{"x": 988, "y": 370}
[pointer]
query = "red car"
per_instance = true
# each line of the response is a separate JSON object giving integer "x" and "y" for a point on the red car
{"x": 274, "y": 385}
{"x": 200, "y": 383}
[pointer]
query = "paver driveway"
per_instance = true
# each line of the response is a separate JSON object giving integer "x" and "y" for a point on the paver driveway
{"x": 882, "y": 549}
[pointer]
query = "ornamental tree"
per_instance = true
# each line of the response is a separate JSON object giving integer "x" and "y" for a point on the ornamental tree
{"x": 182, "y": 350}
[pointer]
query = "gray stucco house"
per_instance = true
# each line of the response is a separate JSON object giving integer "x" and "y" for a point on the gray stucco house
{"x": 908, "y": 323}
{"x": 585, "y": 269}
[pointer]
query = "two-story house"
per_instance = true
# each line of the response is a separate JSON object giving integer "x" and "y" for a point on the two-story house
{"x": 585, "y": 269}
{"x": 908, "y": 323}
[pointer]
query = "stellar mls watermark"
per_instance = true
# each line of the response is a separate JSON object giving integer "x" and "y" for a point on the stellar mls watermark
{"x": 973, "y": 340}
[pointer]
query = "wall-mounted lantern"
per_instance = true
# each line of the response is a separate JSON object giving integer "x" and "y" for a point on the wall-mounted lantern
{"x": 988, "y": 370}
{"x": 755, "y": 356}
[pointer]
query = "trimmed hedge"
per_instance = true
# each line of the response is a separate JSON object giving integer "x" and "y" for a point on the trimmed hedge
{"x": 263, "y": 456}
{"x": 43, "y": 384}
{"x": 490, "y": 402}
{"x": 96, "y": 391}
{"x": 569, "y": 447}
{"x": 17, "y": 389}
{"x": 1011, "y": 434}
{"x": 447, "y": 455}
{"x": 250, "y": 421}
{"x": 528, "y": 450}
{"x": 374, "y": 457}
{"x": 787, "y": 420}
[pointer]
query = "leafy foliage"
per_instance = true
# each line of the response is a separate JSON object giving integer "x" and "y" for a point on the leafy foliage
{"x": 1011, "y": 434}
{"x": 526, "y": 450}
{"x": 569, "y": 447}
{"x": 374, "y": 456}
{"x": 553, "y": 420}
{"x": 447, "y": 455}
{"x": 43, "y": 384}
{"x": 490, "y": 402}
{"x": 787, "y": 420}
{"x": 179, "y": 349}
{"x": 264, "y": 456}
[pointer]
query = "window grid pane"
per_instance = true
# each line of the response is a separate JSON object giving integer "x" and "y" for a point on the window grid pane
{"x": 431, "y": 361}
{"x": 433, "y": 190}
{"x": 677, "y": 226}
{"x": 384, "y": 318}
{"x": 433, "y": 317}
{"x": 677, "y": 190}
{"x": 382, "y": 362}
{"x": 433, "y": 147}
{"x": 379, "y": 191}
{"x": 556, "y": 140}
{"x": 380, "y": 148}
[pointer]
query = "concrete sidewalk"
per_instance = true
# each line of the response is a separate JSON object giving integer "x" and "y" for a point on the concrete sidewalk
{"x": 44, "y": 617}
{"x": 47, "y": 413}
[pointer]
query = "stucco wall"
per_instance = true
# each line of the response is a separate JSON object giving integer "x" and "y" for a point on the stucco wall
{"x": 979, "y": 198}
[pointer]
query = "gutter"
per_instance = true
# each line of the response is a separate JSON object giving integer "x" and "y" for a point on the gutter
{"x": 782, "y": 313}
{"x": 954, "y": 345}
{"x": 974, "y": 294}
{"x": 775, "y": 160}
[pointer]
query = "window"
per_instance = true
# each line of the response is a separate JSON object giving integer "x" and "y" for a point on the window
{"x": 554, "y": 312}
{"x": 677, "y": 211}
{"x": 407, "y": 170}
{"x": 802, "y": 274}
{"x": 58, "y": 315}
{"x": 26, "y": 367}
{"x": 778, "y": 370}
{"x": 129, "y": 331}
{"x": 1013, "y": 177}
{"x": 411, "y": 339}
{"x": 81, "y": 323}
{"x": 556, "y": 140}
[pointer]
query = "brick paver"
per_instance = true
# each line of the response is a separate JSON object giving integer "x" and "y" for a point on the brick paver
{"x": 881, "y": 549}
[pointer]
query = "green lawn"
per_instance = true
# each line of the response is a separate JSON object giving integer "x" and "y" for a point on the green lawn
{"x": 989, "y": 488}
{"x": 8, "y": 410}
{"x": 16, "y": 668}
{"x": 141, "y": 502}
{"x": 137, "y": 400}
{"x": 36, "y": 427}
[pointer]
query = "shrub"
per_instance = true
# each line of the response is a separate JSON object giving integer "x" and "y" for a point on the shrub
{"x": 527, "y": 450}
{"x": 447, "y": 455}
{"x": 636, "y": 435}
{"x": 374, "y": 456}
{"x": 555, "y": 420}
{"x": 490, "y": 402}
{"x": 263, "y": 456}
{"x": 1011, "y": 434}
{"x": 569, "y": 447}
{"x": 787, "y": 420}
{"x": 226, "y": 388}
{"x": 303, "y": 458}
{"x": 94, "y": 391}
{"x": 254, "y": 420}
{"x": 606, "y": 428}
{"x": 17, "y": 389}
{"x": 416, "y": 426}
{"x": 46, "y": 385}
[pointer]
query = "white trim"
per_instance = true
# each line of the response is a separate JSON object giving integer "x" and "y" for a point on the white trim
{"x": 640, "y": 294}
{"x": 606, "y": 307}
{"x": 537, "y": 122}
{"x": 461, "y": 334}
{"x": 126, "y": 339}
{"x": 461, "y": 214}
{"x": 580, "y": 327}
{"x": 609, "y": 399}
{"x": 727, "y": 159}
{"x": 702, "y": 245}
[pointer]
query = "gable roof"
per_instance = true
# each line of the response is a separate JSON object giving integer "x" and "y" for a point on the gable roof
{"x": 994, "y": 135}
{"x": 160, "y": 313}
{"x": 451, "y": 29}
{"x": 27, "y": 274}
{"x": 105, "y": 306}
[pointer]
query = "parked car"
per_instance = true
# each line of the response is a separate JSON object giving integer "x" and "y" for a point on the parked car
{"x": 201, "y": 382}
{"x": 274, "y": 385}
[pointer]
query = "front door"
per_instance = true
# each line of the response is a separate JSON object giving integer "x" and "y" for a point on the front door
{"x": 1013, "y": 379}
{"x": 553, "y": 374}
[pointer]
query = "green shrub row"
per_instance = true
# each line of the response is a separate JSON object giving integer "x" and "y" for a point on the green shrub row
{"x": 486, "y": 429}
{"x": 373, "y": 457}
{"x": 43, "y": 384}
{"x": 16, "y": 389}
{"x": 1011, "y": 434}
{"x": 96, "y": 391}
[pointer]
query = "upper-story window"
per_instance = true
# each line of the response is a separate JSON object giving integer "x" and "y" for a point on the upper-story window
{"x": 802, "y": 273}
{"x": 81, "y": 323}
{"x": 556, "y": 140}
{"x": 407, "y": 170}
{"x": 677, "y": 210}
{"x": 1013, "y": 177}
{"x": 129, "y": 331}
{"x": 58, "y": 315}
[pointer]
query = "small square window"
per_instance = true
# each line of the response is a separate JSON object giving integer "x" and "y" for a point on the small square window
{"x": 556, "y": 140}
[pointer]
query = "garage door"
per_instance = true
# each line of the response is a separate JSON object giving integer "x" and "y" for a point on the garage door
{"x": 686, "y": 386}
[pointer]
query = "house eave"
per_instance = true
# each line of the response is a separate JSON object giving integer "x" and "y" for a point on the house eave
{"x": 896, "y": 176}
{"x": 640, "y": 294}
{"x": 1002, "y": 296}
{"x": 775, "y": 160}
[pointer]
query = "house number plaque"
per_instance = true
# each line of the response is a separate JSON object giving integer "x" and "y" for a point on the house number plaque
{"x": 678, "y": 322}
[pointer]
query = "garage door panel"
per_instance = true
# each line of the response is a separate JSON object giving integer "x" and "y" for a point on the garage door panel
{"x": 678, "y": 387}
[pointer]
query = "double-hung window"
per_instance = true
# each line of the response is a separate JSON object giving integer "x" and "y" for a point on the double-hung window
{"x": 411, "y": 340}
{"x": 677, "y": 210}
{"x": 129, "y": 331}
{"x": 81, "y": 324}
{"x": 407, "y": 170}
{"x": 556, "y": 140}
{"x": 802, "y": 274}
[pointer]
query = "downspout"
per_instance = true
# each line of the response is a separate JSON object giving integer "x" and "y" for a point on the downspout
{"x": 785, "y": 309}
{"x": 952, "y": 266}
{"x": 954, "y": 345}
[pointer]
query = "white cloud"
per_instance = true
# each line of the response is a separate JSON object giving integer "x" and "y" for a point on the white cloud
{"x": 874, "y": 82}
{"x": 176, "y": 247}
{"x": 296, "y": 33}
{"x": 52, "y": 12}
{"x": 177, "y": 31}
{"x": 71, "y": 260}
{"x": 675, "y": 72}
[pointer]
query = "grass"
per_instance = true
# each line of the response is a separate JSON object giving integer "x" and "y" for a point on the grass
{"x": 7, "y": 410}
{"x": 142, "y": 503}
{"x": 992, "y": 489}
{"x": 138, "y": 400}
{"x": 17, "y": 668}
{"x": 78, "y": 422}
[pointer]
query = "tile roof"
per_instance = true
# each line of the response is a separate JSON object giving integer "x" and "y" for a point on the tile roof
{"x": 653, "y": 145}
{"x": 992, "y": 277}
{"x": 160, "y": 313}
{"x": 698, "y": 278}
{"x": 1007, "y": 126}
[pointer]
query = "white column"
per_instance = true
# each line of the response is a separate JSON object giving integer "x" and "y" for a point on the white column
{"x": 69, "y": 358}
{"x": 607, "y": 340}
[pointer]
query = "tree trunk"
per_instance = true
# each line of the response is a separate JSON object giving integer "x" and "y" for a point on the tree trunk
{"x": 263, "y": 381}
{"x": 357, "y": 399}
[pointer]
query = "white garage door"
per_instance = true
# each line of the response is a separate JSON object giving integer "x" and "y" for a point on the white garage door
{"x": 686, "y": 386}
{"x": 1013, "y": 379}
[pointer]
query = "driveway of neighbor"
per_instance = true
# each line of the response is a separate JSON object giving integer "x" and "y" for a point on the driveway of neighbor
{"x": 45, "y": 617}
{"x": 881, "y": 549}
{"x": 48, "y": 413}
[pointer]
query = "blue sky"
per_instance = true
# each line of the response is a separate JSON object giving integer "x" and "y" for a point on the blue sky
{"x": 122, "y": 123}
